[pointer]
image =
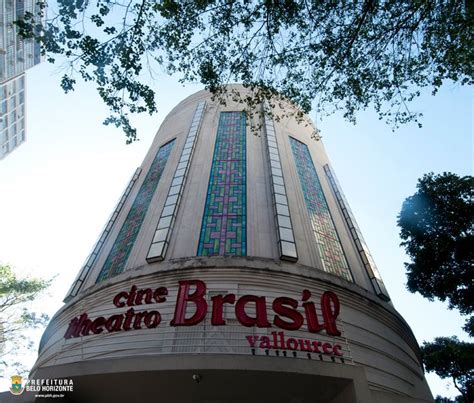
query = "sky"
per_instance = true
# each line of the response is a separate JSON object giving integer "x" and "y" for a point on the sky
{"x": 58, "y": 189}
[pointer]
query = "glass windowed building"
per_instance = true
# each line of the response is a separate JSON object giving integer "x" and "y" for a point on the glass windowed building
{"x": 232, "y": 269}
{"x": 16, "y": 56}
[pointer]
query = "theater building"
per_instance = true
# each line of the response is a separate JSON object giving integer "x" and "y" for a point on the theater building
{"x": 232, "y": 270}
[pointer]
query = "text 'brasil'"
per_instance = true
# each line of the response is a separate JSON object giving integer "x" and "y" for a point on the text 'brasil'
{"x": 193, "y": 305}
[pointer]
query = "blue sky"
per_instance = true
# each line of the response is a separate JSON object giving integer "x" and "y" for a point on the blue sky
{"x": 59, "y": 188}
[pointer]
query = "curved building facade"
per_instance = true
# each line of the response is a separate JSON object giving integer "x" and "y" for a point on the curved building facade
{"x": 232, "y": 269}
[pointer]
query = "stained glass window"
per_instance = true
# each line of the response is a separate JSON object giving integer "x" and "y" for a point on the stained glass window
{"x": 163, "y": 231}
{"x": 115, "y": 262}
{"x": 224, "y": 226}
{"x": 327, "y": 240}
{"x": 91, "y": 259}
{"x": 356, "y": 235}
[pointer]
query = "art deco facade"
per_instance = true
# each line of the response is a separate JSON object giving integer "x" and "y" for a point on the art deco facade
{"x": 16, "y": 56}
{"x": 232, "y": 269}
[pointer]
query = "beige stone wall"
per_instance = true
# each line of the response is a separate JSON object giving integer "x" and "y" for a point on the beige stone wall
{"x": 374, "y": 336}
{"x": 377, "y": 344}
{"x": 261, "y": 231}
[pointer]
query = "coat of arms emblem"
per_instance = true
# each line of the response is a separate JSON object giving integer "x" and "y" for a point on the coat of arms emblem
{"x": 17, "y": 387}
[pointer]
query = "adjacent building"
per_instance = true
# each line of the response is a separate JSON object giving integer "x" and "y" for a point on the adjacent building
{"x": 232, "y": 270}
{"x": 16, "y": 56}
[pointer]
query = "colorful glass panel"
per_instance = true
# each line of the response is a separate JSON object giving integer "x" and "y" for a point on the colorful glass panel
{"x": 224, "y": 226}
{"x": 328, "y": 242}
{"x": 115, "y": 262}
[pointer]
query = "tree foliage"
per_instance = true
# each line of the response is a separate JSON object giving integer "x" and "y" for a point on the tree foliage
{"x": 16, "y": 314}
{"x": 345, "y": 55}
{"x": 437, "y": 229}
{"x": 441, "y": 399}
{"x": 450, "y": 358}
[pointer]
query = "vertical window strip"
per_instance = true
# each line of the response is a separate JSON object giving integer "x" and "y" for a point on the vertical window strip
{"x": 84, "y": 272}
{"x": 357, "y": 237}
{"x": 284, "y": 227}
{"x": 329, "y": 245}
{"x": 118, "y": 256}
{"x": 224, "y": 224}
{"x": 165, "y": 225}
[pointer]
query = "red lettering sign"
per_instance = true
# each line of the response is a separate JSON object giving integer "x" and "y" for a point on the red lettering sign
{"x": 278, "y": 341}
{"x": 196, "y": 297}
{"x": 250, "y": 310}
